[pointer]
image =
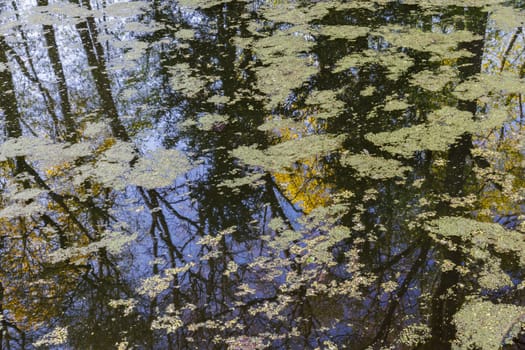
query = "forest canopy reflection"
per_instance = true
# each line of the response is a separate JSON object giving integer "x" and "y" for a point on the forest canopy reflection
{"x": 262, "y": 174}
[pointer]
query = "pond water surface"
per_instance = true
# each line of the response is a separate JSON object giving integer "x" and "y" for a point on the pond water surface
{"x": 262, "y": 174}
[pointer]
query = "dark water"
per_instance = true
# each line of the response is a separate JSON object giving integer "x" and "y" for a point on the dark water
{"x": 262, "y": 174}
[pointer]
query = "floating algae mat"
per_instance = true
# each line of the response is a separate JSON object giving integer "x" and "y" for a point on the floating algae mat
{"x": 241, "y": 174}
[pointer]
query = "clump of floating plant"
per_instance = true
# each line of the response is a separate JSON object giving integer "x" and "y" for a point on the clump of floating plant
{"x": 321, "y": 231}
{"x": 111, "y": 241}
{"x": 375, "y": 167}
{"x": 278, "y": 125}
{"x": 122, "y": 10}
{"x": 501, "y": 186}
{"x": 126, "y": 305}
{"x": 157, "y": 284}
{"x": 484, "y": 325}
{"x": 113, "y": 167}
{"x": 310, "y": 246}
{"x": 462, "y": 3}
{"x": 487, "y": 84}
{"x": 354, "y": 5}
{"x": 25, "y": 208}
{"x": 109, "y": 162}
{"x": 169, "y": 322}
{"x": 282, "y": 156}
{"x": 487, "y": 234}
{"x": 251, "y": 179}
{"x": 34, "y": 149}
{"x": 434, "y": 81}
{"x": 185, "y": 34}
{"x": 481, "y": 242}
{"x": 285, "y": 58}
{"x": 507, "y": 18}
{"x": 202, "y": 4}
{"x": 346, "y": 32}
{"x": 184, "y": 80}
{"x": 295, "y": 13}
{"x": 414, "y": 335}
{"x": 395, "y": 104}
{"x": 110, "y": 167}
{"x": 285, "y": 64}
{"x": 58, "y": 336}
{"x": 210, "y": 121}
{"x": 368, "y": 91}
{"x": 396, "y": 63}
{"x": 325, "y": 104}
{"x": 158, "y": 168}
{"x": 440, "y": 44}
{"x": 443, "y": 128}
{"x": 64, "y": 13}
{"x": 245, "y": 342}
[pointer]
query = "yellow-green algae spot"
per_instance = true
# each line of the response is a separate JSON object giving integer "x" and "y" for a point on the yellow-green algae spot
{"x": 185, "y": 34}
{"x": 480, "y": 241}
{"x": 486, "y": 326}
{"x": 368, "y": 91}
{"x": 486, "y": 84}
{"x": 113, "y": 242}
{"x": 283, "y": 67}
{"x": 46, "y": 153}
{"x": 481, "y": 234}
{"x": 327, "y": 103}
{"x": 126, "y": 9}
{"x": 16, "y": 210}
{"x": 353, "y": 5}
{"x": 56, "y": 337}
{"x": 51, "y": 14}
{"x": 375, "y": 167}
{"x": 288, "y": 42}
{"x": 414, "y": 335}
{"x": 395, "y": 62}
{"x": 434, "y": 81}
{"x": 278, "y": 158}
{"x": 254, "y": 180}
{"x": 278, "y": 80}
{"x": 507, "y": 18}
{"x": 111, "y": 168}
{"x": 438, "y": 43}
{"x": 158, "y": 168}
{"x": 292, "y": 12}
{"x": 492, "y": 277}
{"x": 395, "y": 105}
{"x": 203, "y": 4}
{"x": 219, "y": 99}
{"x": 23, "y": 203}
{"x": 32, "y": 147}
{"x": 208, "y": 121}
{"x": 460, "y": 3}
{"x": 184, "y": 80}
{"x": 442, "y": 129}
{"x": 347, "y": 32}
{"x": 277, "y": 124}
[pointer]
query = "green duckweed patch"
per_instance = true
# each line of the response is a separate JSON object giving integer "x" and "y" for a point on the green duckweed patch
{"x": 375, "y": 167}
{"x": 442, "y": 129}
{"x": 395, "y": 62}
{"x": 441, "y": 44}
{"x": 486, "y": 326}
{"x": 346, "y": 32}
{"x": 279, "y": 157}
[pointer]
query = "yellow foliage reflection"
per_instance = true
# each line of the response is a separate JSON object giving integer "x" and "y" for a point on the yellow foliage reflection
{"x": 305, "y": 183}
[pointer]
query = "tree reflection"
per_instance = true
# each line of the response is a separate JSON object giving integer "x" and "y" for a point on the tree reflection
{"x": 202, "y": 210}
